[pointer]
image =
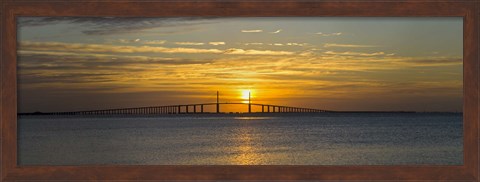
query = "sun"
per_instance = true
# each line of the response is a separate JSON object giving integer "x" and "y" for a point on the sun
{"x": 246, "y": 94}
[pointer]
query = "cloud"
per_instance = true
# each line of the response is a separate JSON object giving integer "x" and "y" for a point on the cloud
{"x": 216, "y": 43}
{"x": 38, "y": 59}
{"x": 308, "y": 53}
{"x": 348, "y": 45}
{"x": 154, "y": 42}
{"x": 296, "y": 44}
{"x": 329, "y": 34}
{"x": 259, "y": 31}
{"x": 99, "y": 48}
{"x": 252, "y": 31}
{"x": 115, "y": 25}
{"x": 434, "y": 61}
{"x": 319, "y": 78}
{"x": 128, "y": 41}
{"x": 256, "y": 52}
{"x": 190, "y": 43}
{"x": 275, "y": 32}
{"x": 277, "y": 44}
{"x": 354, "y": 53}
{"x": 254, "y": 43}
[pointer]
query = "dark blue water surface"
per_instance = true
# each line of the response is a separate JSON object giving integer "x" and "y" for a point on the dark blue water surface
{"x": 274, "y": 139}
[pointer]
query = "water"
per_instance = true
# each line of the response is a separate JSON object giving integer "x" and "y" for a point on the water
{"x": 288, "y": 139}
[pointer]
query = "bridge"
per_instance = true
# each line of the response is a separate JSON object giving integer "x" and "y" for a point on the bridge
{"x": 187, "y": 109}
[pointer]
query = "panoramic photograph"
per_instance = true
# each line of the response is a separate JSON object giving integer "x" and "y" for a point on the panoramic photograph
{"x": 240, "y": 91}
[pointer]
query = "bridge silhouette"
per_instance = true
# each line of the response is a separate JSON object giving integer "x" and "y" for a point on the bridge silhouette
{"x": 187, "y": 109}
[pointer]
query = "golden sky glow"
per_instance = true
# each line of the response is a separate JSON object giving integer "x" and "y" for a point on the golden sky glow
{"x": 326, "y": 63}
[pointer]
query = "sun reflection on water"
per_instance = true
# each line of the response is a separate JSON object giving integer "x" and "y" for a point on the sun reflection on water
{"x": 252, "y": 118}
{"x": 246, "y": 151}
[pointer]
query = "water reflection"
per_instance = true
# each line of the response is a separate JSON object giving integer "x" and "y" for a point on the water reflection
{"x": 246, "y": 151}
{"x": 252, "y": 118}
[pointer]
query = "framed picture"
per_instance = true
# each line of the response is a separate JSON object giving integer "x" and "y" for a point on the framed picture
{"x": 256, "y": 90}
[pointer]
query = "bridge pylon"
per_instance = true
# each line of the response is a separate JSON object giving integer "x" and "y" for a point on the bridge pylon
{"x": 218, "y": 104}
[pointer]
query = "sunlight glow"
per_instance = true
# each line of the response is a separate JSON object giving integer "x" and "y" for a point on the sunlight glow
{"x": 245, "y": 94}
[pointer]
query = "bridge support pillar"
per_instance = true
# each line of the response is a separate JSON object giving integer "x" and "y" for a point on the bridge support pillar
{"x": 201, "y": 108}
{"x": 194, "y": 108}
{"x": 263, "y": 108}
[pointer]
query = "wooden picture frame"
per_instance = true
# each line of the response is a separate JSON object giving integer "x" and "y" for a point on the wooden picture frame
{"x": 10, "y": 10}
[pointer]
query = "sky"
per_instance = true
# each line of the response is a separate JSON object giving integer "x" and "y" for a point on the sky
{"x": 332, "y": 63}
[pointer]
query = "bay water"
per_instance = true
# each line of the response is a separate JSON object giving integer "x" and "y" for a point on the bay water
{"x": 243, "y": 139}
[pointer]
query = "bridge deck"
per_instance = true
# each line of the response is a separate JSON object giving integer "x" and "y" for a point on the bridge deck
{"x": 184, "y": 109}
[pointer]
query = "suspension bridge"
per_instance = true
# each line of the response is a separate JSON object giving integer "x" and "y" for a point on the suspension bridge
{"x": 187, "y": 109}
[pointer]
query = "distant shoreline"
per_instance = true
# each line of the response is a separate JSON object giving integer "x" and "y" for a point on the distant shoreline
{"x": 212, "y": 114}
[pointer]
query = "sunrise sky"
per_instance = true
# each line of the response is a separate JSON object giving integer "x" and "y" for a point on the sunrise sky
{"x": 401, "y": 64}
